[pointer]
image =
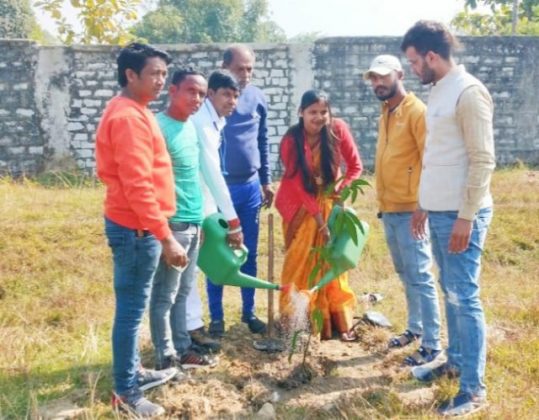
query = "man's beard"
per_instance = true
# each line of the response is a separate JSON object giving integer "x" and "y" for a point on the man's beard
{"x": 389, "y": 95}
{"x": 428, "y": 76}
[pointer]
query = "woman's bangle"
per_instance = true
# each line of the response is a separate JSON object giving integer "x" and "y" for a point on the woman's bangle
{"x": 321, "y": 228}
{"x": 236, "y": 230}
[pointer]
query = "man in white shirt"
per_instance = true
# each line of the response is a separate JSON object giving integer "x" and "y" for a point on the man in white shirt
{"x": 454, "y": 194}
{"x": 223, "y": 93}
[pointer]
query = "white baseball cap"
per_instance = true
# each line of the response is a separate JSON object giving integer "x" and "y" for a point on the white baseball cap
{"x": 383, "y": 65}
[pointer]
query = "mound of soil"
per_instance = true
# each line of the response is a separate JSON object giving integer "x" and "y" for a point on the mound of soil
{"x": 246, "y": 379}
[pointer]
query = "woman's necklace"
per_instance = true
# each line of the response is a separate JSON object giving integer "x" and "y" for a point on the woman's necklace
{"x": 313, "y": 140}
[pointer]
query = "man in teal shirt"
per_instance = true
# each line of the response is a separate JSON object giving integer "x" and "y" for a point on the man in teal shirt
{"x": 172, "y": 285}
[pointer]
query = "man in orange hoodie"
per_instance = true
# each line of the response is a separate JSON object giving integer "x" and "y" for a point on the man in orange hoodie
{"x": 133, "y": 162}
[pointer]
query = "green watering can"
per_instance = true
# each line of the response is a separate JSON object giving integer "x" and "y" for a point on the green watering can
{"x": 344, "y": 253}
{"x": 220, "y": 262}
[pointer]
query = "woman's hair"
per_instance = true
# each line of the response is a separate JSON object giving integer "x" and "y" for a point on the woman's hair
{"x": 328, "y": 145}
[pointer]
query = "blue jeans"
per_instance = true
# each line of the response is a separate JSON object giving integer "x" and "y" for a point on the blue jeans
{"x": 169, "y": 297}
{"x": 135, "y": 260}
{"x": 413, "y": 261}
{"x": 247, "y": 199}
{"x": 459, "y": 277}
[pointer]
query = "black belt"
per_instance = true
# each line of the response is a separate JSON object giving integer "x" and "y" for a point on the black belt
{"x": 181, "y": 226}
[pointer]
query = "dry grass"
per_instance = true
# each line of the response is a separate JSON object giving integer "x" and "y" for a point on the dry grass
{"x": 56, "y": 301}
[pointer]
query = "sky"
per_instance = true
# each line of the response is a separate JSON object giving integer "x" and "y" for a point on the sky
{"x": 358, "y": 17}
{"x": 343, "y": 17}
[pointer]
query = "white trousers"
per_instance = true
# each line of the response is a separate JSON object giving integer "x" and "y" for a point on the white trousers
{"x": 194, "y": 308}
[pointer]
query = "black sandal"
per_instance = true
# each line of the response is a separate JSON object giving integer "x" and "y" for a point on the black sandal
{"x": 407, "y": 337}
{"x": 421, "y": 356}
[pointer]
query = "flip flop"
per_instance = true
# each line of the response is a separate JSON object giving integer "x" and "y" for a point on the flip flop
{"x": 349, "y": 336}
{"x": 377, "y": 319}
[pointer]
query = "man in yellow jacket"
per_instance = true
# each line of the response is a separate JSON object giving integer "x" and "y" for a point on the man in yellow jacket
{"x": 401, "y": 137}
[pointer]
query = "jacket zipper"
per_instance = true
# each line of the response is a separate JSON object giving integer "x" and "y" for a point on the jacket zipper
{"x": 382, "y": 159}
{"x": 409, "y": 180}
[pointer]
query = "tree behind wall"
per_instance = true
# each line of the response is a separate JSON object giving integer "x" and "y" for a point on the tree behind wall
{"x": 501, "y": 18}
{"x": 16, "y": 19}
{"x": 256, "y": 25}
{"x": 99, "y": 21}
{"x": 205, "y": 21}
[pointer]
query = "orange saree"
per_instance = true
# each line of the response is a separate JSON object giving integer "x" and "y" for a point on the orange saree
{"x": 336, "y": 300}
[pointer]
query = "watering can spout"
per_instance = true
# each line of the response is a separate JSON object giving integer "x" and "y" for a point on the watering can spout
{"x": 331, "y": 274}
{"x": 220, "y": 262}
{"x": 244, "y": 280}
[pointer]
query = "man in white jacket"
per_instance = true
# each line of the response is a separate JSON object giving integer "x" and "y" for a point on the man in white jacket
{"x": 223, "y": 93}
{"x": 454, "y": 194}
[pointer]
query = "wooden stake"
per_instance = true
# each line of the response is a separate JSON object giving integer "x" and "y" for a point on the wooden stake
{"x": 270, "y": 274}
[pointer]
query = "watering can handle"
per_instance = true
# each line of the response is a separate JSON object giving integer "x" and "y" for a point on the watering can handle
{"x": 241, "y": 253}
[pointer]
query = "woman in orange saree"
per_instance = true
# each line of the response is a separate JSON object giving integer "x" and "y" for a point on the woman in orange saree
{"x": 312, "y": 153}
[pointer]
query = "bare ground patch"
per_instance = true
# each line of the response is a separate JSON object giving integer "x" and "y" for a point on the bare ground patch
{"x": 336, "y": 375}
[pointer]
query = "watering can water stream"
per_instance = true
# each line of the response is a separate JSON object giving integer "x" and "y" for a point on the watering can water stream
{"x": 220, "y": 262}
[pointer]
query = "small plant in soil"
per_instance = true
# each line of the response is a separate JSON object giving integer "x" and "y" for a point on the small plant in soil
{"x": 345, "y": 222}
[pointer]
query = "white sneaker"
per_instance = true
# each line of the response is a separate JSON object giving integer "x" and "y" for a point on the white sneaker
{"x": 462, "y": 405}
{"x": 148, "y": 378}
{"x": 134, "y": 403}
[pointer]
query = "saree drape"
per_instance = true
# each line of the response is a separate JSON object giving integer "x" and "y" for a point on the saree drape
{"x": 336, "y": 300}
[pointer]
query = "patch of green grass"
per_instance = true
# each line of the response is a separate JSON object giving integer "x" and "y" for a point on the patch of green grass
{"x": 65, "y": 179}
{"x": 56, "y": 299}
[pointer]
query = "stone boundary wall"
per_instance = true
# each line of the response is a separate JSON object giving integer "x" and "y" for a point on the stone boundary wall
{"x": 51, "y": 98}
{"x": 508, "y": 66}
